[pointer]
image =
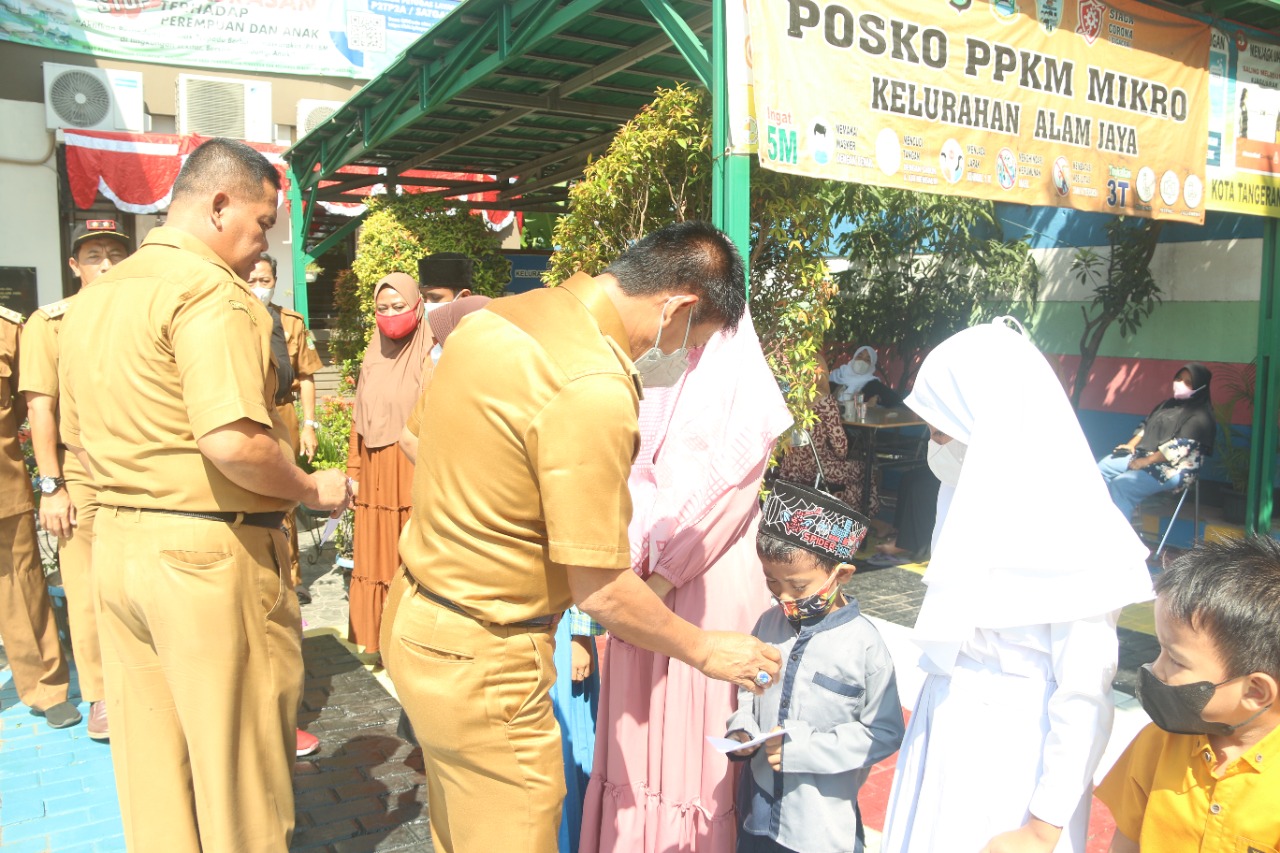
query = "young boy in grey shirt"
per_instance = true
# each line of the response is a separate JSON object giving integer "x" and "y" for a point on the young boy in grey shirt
{"x": 836, "y": 700}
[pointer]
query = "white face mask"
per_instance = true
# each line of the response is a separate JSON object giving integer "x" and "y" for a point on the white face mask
{"x": 945, "y": 460}
{"x": 264, "y": 294}
{"x": 662, "y": 370}
{"x": 1182, "y": 391}
{"x": 861, "y": 367}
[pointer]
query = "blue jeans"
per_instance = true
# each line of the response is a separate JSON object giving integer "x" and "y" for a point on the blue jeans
{"x": 1130, "y": 488}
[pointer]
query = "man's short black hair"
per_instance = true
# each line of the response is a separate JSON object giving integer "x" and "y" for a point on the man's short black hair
{"x": 265, "y": 257}
{"x": 687, "y": 257}
{"x": 1231, "y": 591}
{"x": 778, "y": 550}
{"x": 225, "y": 165}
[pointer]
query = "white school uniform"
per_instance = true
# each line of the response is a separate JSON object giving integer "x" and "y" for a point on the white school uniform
{"x": 1017, "y": 629}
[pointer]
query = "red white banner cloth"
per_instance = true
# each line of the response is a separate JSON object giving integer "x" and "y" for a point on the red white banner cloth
{"x": 137, "y": 170}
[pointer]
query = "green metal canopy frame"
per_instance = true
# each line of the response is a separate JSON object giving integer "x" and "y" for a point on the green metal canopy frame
{"x": 525, "y": 90}
{"x": 529, "y": 90}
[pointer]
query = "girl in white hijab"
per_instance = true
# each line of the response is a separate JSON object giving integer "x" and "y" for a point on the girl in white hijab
{"x": 1017, "y": 628}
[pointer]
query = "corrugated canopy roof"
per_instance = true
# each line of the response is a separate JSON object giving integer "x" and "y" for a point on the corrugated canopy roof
{"x": 525, "y": 90}
{"x": 1261, "y": 14}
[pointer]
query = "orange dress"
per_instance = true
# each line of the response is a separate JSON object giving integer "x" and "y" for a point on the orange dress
{"x": 382, "y": 507}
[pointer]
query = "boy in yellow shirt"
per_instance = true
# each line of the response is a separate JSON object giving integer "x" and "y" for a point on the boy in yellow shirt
{"x": 1206, "y": 776}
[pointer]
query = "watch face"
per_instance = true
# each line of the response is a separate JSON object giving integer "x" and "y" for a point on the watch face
{"x": 48, "y": 485}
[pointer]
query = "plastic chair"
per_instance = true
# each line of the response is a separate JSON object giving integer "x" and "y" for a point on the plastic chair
{"x": 1193, "y": 486}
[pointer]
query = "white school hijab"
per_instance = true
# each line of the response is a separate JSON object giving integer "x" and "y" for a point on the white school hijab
{"x": 1029, "y": 535}
{"x": 851, "y": 382}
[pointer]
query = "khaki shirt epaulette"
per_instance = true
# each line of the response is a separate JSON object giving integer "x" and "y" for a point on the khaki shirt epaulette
{"x": 55, "y": 309}
{"x": 11, "y": 315}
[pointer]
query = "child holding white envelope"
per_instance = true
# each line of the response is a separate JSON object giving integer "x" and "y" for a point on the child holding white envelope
{"x": 835, "y": 705}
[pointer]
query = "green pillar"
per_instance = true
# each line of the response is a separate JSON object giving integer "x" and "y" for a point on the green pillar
{"x": 298, "y": 229}
{"x": 730, "y": 173}
{"x": 1266, "y": 401}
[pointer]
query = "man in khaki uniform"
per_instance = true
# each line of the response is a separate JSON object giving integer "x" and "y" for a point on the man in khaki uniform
{"x": 69, "y": 499}
{"x": 306, "y": 364}
{"x": 27, "y": 629}
{"x": 168, "y": 393}
{"x": 533, "y": 517}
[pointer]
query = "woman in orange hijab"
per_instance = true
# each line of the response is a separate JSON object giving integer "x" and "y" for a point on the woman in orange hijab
{"x": 395, "y": 368}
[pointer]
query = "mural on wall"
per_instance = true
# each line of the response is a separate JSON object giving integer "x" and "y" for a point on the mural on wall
{"x": 330, "y": 38}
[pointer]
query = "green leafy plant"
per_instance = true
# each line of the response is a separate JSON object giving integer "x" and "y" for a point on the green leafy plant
{"x": 1232, "y": 447}
{"x": 334, "y": 436}
{"x": 657, "y": 171}
{"x": 352, "y": 329}
{"x": 921, "y": 268}
{"x": 1124, "y": 290}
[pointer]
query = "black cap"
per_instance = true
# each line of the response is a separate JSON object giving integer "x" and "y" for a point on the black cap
{"x": 815, "y": 521}
{"x": 445, "y": 269}
{"x": 98, "y": 228}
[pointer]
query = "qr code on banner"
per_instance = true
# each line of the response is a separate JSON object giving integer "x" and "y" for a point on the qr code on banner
{"x": 366, "y": 31}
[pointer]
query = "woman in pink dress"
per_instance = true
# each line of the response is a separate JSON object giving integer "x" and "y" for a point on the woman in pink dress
{"x": 656, "y": 786}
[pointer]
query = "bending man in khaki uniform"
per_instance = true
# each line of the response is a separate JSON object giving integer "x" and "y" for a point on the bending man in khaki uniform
{"x": 169, "y": 392}
{"x": 69, "y": 498}
{"x": 532, "y": 517}
{"x": 27, "y": 629}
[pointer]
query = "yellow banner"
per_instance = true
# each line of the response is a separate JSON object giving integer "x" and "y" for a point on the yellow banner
{"x": 1081, "y": 104}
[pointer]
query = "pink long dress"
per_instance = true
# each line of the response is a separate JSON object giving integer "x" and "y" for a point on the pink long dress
{"x": 656, "y": 786}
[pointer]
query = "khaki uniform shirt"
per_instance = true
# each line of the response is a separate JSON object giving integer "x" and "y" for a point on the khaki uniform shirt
{"x": 302, "y": 349}
{"x": 40, "y": 369}
{"x": 15, "y": 485}
{"x": 176, "y": 347}
{"x": 526, "y": 444}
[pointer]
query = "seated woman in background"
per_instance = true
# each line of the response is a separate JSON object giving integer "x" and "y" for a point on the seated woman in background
{"x": 843, "y": 476}
{"x": 1169, "y": 446}
{"x": 858, "y": 376}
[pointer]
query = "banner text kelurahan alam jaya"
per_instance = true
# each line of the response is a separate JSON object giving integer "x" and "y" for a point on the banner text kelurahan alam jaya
{"x": 930, "y": 47}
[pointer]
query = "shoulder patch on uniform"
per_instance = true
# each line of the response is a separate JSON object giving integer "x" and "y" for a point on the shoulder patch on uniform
{"x": 55, "y": 309}
{"x": 311, "y": 340}
{"x": 11, "y": 315}
{"x": 236, "y": 305}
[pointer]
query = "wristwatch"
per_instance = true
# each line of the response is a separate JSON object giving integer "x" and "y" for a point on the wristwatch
{"x": 49, "y": 485}
{"x": 312, "y": 424}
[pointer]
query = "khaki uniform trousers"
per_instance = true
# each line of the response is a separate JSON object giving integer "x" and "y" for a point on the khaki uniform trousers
{"x": 75, "y": 557}
{"x": 479, "y": 698}
{"x": 289, "y": 415}
{"x": 202, "y": 646}
{"x": 27, "y": 628}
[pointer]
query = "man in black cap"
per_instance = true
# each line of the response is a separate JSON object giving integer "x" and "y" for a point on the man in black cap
{"x": 69, "y": 500}
{"x": 445, "y": 276}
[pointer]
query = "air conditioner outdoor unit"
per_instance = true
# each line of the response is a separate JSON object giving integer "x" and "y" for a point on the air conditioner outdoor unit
{"x": 311, "y": 112}
{"x": 86, "y": 98}
{"x": 217, "y": 106}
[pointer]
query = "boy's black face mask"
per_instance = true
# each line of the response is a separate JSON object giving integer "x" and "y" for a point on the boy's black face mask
{"x": 1177, "y": 709}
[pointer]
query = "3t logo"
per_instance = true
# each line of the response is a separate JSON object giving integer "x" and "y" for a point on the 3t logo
{"x": 782, "y": 145}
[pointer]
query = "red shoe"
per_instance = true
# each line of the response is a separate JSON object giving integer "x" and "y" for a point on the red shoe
{"x": 98, "y": 728}
{"x": 307, "y": 743}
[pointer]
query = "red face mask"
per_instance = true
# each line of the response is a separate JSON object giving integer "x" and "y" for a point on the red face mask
{"x": 397, "y": 326}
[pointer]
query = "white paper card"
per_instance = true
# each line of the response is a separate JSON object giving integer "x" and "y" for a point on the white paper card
{"x": 724, "y": 744}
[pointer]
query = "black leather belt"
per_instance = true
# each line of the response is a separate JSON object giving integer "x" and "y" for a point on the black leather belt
{"x": 273, "y": 520}
{"x": 540, "y": 622}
